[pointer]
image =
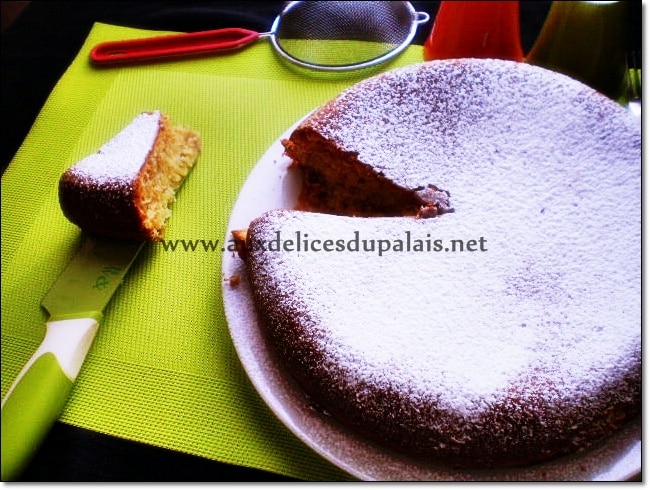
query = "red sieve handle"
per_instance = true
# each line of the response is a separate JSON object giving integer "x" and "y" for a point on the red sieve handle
{"x": 172, "y": 45}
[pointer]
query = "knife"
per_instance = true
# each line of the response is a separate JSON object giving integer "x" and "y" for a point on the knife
{"x": 75, "y": 303}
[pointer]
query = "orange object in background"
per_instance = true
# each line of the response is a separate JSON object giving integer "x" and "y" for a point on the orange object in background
{"x": 475, "y": 30}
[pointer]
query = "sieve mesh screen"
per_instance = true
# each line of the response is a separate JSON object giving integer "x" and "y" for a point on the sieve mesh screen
{"x": 379, "y": 28}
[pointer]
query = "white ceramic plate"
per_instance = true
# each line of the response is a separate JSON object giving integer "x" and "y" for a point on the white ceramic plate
{"x": 270, "y": 186}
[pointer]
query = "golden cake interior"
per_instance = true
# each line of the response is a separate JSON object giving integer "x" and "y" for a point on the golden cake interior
{"x": 169, "y": 162}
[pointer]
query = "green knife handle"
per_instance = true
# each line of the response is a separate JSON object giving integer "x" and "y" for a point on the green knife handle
{"x": 38, "y": 395}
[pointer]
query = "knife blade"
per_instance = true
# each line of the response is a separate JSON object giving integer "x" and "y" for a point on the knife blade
{"x": 75, "y": 304}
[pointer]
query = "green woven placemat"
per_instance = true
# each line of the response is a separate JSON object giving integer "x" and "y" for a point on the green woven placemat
{"x": 163, "y": 369}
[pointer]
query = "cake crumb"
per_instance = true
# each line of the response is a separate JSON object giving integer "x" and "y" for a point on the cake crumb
{"x": 234, "y": 280}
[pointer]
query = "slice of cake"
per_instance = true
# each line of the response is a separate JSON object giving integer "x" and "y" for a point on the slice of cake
{"x": 503, "y": 334}
{"x": 125, "y": 189}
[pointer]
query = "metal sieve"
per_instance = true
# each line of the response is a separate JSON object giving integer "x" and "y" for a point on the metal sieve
{"x": 319, "y": 35}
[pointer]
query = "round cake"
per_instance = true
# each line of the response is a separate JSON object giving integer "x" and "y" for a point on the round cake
{"x": 124, "y": 190}
{"x": 501, "y": 334}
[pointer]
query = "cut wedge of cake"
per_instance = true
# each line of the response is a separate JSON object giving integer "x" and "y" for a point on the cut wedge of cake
{"x": 125, "y": 189}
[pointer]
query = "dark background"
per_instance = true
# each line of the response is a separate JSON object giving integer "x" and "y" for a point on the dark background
{"x": 39, "y": 41}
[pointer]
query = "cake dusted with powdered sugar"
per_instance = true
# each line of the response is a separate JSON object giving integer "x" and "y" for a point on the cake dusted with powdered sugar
{"x": 504, "y": 333}
{"x": 124, "y": 190}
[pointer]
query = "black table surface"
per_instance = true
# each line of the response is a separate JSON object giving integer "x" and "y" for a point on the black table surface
{"x": 36, "y": 49}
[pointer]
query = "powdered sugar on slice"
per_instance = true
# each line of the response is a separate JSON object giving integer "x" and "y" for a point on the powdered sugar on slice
{"x": 121, "y": 158}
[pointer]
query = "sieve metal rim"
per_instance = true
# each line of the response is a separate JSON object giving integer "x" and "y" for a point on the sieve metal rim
{"x": 417, "y": 18}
